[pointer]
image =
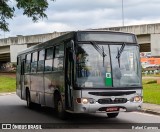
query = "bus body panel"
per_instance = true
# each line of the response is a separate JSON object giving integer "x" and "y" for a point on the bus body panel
{"x": 49, "y": 87}
{"x": 53, "y": 81}
{"x": 18, "y": 87}
{"x": 36, "y": 88}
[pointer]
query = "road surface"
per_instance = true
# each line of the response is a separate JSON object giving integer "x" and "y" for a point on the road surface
{"x": 14, "y": 110}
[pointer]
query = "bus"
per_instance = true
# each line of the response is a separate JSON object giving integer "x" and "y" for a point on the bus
{"x": 82, "y": 72}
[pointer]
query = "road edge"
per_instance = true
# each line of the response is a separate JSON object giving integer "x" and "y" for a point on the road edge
{"x": 148, "y": 111}
{"x": 3, "y": 94}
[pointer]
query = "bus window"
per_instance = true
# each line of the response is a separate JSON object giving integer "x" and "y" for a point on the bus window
{"x": 28, "y": 63}
{"x": 49, "y": 53}
{"x": 41, "y": 55}
{"x": 58, "y": 64}
{"x": 49, "y": 59}
{"x": 34, "y": 57}
{"x": 41, "y": 60}
{"x": 28, "y": 58}
{"x": 59, "y": 55}
{"x": 34, "y": 62}
{"x": 59, "y": 50}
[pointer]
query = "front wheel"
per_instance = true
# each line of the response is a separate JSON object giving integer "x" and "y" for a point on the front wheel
{"x": 60, "y": 109}
{"x": 112, "y": 115}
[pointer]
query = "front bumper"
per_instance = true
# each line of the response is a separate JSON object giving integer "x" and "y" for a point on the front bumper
{"x": 96, "y": 107}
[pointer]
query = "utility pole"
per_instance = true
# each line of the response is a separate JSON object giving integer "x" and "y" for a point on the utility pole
{"x": 122, "y": 14}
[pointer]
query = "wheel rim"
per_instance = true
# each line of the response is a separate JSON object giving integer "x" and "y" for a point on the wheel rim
{"x": 60, "y": 106}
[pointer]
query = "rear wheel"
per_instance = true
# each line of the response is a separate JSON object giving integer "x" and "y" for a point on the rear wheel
{"x": 28, "y": 99}
{"x": 112, "y": 115}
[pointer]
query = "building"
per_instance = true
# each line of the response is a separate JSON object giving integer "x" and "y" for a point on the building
{"x": 148, "y": 36}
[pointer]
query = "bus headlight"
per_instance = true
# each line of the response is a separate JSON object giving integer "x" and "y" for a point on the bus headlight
{"x": 85, "y": 100}
{"x": 136, "y": 99}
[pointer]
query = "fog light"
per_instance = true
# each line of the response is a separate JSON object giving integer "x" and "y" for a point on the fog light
{"x": 137, "y": 99}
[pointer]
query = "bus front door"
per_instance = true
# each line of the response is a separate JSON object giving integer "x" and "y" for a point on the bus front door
{"x": 68, "y": 79}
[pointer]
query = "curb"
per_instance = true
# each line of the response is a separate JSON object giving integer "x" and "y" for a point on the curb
{"x": 3, "y": 94}
{"x": 150, "y": 112}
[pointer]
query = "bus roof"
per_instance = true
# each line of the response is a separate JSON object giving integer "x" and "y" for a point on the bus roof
{"x": 66, "y": 36}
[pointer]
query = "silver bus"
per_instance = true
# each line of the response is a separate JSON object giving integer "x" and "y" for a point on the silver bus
{"x": 82, "y": 72}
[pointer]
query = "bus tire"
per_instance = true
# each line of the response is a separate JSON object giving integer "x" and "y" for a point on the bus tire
{"x": 60, "y": 109}
{"x": 28, "y": 99}
{"x": 112, "y": 115}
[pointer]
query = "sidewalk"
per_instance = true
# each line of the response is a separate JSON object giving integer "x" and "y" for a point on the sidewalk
{"x": 151, "y": 108}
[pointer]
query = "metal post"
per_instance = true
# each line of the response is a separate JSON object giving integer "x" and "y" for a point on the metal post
{"x": 122, "y": 14}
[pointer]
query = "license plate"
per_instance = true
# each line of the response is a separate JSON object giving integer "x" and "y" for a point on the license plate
{"x": 110, "y": 109}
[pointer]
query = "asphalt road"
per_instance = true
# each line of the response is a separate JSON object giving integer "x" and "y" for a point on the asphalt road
{"x": 14, "y": 110}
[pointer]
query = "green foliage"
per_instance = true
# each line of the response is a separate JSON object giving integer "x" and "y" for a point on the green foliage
{"x": 34, "y": 9}
{"x": 7, "y": 84}
{"x": 6, "y": 12}
{"x": 151, "y": 91}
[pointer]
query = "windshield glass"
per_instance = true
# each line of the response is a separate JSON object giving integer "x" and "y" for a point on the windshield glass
{"x": 95, "y": 71}
{"x": 126, "y": 68}
{"x": 90, "y": 69}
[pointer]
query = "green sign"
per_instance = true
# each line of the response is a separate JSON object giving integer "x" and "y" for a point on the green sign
{"x": 108, "y": 79}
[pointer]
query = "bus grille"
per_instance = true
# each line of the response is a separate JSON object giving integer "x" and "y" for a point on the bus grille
{"x": 110, "y": 101}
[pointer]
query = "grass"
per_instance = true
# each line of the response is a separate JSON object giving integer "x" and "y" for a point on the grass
{"x": 7, "y": 84}
{"x": 151, "y": 91}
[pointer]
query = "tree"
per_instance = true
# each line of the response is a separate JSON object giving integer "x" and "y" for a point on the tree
{"x": 34, "y": 9}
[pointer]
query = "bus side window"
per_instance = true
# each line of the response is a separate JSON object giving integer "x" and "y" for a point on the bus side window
{"x": 28, "y": 63}
{"x": 59, "y": 56}
{"x": 49, "y": 59}
{"x": 41, "y": 55}
{"x": 34, "y": 62}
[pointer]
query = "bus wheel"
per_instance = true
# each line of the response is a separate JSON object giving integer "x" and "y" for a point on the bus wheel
{"x": 112, "y": 115}
{"x": 28, "y": 99}
{"x": 60, "y": 109}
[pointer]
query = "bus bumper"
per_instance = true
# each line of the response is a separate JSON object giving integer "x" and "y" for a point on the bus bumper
{"x": 96, "y": 107}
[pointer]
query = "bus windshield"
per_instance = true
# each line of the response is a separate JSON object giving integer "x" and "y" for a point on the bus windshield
{"x": 95, "y": 71}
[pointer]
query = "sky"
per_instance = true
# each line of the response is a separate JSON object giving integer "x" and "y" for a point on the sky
{"x": 69, "y": 15}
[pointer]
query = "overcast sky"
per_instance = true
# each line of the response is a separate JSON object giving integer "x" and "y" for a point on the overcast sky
{"x": 68, "y": 15}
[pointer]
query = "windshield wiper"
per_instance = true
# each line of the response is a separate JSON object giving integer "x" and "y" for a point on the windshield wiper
{"x": 119, "y": 52}
{"x": 100, "y": 50}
